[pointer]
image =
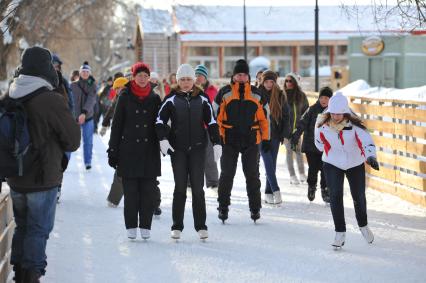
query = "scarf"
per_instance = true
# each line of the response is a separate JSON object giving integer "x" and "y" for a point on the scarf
{"x": 138, "y": 91}
{"x": 337, "y": 127}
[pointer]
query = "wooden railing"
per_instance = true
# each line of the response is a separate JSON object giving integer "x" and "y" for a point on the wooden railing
{"x": 398, "y": 128}
{"x": 7, "y": 226}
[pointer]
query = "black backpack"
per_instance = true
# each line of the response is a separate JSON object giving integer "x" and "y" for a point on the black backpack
{"x": 15, "y": 142}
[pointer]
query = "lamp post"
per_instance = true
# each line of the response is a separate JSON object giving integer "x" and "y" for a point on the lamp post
{"x": 316, "y": 48}
{"x": 168, "y": 33}
{"x": 245, "y": 32}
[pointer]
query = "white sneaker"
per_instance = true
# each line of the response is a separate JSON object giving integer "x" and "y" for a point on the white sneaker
{"x": 339, "y": 239}
{"x": 303, "y": 178}
{"x": 176, "y": 234}
{"x": 203, "y": 234}
{"x": 145, "y": 233}
{"x": 110, "y": 204}
{"x": 277, "y": 197}
{"x": 269, "y": 198}
{"x": 294, "y": 180}
{"x": 367, "y": 234}
{"x": 131, "y": 233}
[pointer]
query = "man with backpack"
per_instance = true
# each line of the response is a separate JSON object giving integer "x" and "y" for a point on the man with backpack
{"x": 52, "y": 130}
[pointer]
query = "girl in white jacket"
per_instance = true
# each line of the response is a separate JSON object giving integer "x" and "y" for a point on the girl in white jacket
{"x": 346, "y": 145}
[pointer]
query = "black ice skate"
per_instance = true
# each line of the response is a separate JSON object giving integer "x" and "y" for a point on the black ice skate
{"x": 223, "y": 213}
{"x": 157, "y": 211}
{"x": 325, "y": 196}
{"x": 255, "y": 215}
{"x": 311, "y": 193}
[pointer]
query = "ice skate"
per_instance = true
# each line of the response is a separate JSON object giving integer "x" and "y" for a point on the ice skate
{"x": 325, "y": 195}
{"x": 303, "y": 178}
{"x": 131, "y": 233}
{"x": 294, "y": 180}
{"x": 311, "y": 193}
{"x": 269, "y": 198}
{"x": 367, "y": 234}
{"x": 203, "y": 234}
{"x": 339, "y": 240}
{"x": 277, "y": 197}
{"x": 223, "y": 213}
{"x": 255, "y": 215}
{"x": 175, "y": 234}
{"x": 145, "y": 233}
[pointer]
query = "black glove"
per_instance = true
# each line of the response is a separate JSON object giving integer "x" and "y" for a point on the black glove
{"x": 112, "y": 158}
{"x": 266, "y": 146}
{"x": 372, "y": 161}
{"x": 294, "y": 140}
{"x": 64, "y": 162}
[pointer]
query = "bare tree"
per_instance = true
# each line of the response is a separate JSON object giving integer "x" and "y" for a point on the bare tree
{"x": 407, "y": 15}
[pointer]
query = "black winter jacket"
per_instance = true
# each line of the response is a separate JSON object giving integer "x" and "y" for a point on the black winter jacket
{"x": 281, "y": 129}
{"x": 133, "y": 139}
{"x": 189, "y": 113}
{"x": 306, "y": 125}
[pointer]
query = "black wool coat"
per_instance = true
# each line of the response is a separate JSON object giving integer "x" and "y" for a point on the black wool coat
{"x": 133, "y": 138}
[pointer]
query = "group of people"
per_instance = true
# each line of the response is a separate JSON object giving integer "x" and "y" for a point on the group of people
{"x": 197, "y": 126}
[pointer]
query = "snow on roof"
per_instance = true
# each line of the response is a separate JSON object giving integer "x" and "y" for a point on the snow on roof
{"x": 225, "y": 23}
{"x": 155, "y": 20}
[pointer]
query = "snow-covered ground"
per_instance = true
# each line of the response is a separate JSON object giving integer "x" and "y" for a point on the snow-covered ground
{"x": 290, "y": 243}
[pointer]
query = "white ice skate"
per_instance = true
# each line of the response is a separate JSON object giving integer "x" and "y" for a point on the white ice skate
{"x": 339, "y": 240}
{"x": 145, "y": 233}
{"x": 277, "y": 197}
{"x": 203, "y": 234}
{"x": 294, "y": 180}
{"x": 131, "y": 233}
{"x": 303, "y": 178}
{"x": 269, "y": 198}
{"x": 175, "y": 234}
{"x": 367, "y": 234}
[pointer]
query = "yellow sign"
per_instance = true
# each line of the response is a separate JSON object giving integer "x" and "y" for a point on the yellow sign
{"x": 372, "y": 46}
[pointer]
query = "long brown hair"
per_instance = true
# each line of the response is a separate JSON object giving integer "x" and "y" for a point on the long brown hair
{"x": 355, "y": 120}
{"x": 297, "y": 96}
{"x": 276, "y": 102}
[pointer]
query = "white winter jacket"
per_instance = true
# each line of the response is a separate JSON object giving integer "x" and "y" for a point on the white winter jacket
{"x": 345, "y": 149}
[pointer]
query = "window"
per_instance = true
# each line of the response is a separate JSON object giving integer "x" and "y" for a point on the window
{"x": 203, "y": 51}
{"x": 342, "y": 50}
{"x": 276, "y": 51}
{"x": 239, "y": 51}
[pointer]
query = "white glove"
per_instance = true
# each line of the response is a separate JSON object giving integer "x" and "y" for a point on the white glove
{"x": 103, "y": 130}
{"x": 165, "y": 147}
{"x": 217, "y": 151}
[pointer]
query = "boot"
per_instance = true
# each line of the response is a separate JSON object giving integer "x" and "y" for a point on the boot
{"x": 277, "y": 197}
{"x": 255, "y": 215}
{"x": 157, "y": 211}
{"x": 325, "y": 196}
{"x": 339, "y": 240}
{"x": 367, "y": 234}
{"x": 269, "y": 198}
{"x": 223, "y": 213}
{"x": 30, "y": 276}
{"x": 311, "y": 192}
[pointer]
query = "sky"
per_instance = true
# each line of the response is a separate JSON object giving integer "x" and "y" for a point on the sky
{"x": 164, "y": 4}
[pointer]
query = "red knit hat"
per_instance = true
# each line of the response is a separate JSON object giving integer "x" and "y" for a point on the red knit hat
{"x": 140, "y": 67}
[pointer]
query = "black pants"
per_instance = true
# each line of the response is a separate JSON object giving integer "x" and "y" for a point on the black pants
{"x": 139, "y": 200}
{"x": 189, "y": 164}
{"x": 356, "y": 178}
{"x": 116, "y": 191}
{"x": 228, "y": 163}
{"x": 315, "y": 165}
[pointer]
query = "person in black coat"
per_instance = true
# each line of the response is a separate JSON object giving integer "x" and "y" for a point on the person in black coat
{"x": 280, "y": 129}
{"x": 189, "y": 110}
{"x": 134, "y": 150}
{"x": 306, "y": 125}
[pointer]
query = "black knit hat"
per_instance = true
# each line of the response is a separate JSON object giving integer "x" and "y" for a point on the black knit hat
{"x": 37, "y": 61}
{"x": 325, "y": 91}
{"x": 269, "y": 75}
{"x": 241, "y": 66}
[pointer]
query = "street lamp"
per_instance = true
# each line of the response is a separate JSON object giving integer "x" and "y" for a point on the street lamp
{"x": 245, "y": 32}
{"x": 168, "y": 33}
{"x": 316, "y": 48}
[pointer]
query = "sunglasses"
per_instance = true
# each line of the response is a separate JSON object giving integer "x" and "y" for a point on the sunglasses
{"x": 289, "y": 81}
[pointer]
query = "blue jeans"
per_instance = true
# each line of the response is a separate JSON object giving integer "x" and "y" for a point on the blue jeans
{"x": 34, "y": 217}
{"x": 270, "y": 162}
{"x": 87, "y": 130}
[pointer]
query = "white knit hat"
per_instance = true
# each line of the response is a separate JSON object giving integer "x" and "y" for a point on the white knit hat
{"x": 338, "y": 104}
{"x": 185, "y": 71}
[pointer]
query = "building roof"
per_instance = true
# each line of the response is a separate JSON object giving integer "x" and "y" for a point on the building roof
{"x": 225, "y": 23}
